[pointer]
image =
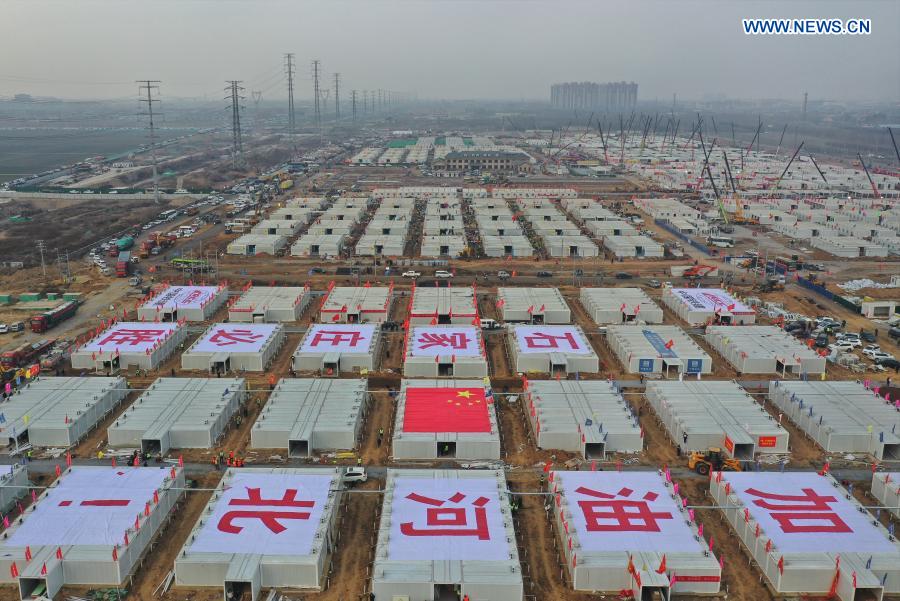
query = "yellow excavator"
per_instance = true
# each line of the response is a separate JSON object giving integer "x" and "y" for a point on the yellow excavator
{"x": 713, "y": 459}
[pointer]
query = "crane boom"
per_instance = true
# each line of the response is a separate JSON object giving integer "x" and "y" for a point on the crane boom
{"x": 871, "y": 183}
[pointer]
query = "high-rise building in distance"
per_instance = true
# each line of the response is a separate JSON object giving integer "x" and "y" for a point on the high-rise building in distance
{"x": 619, "y": 95}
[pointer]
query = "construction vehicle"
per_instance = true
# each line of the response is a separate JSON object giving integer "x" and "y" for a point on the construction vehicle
{"x": 123, "y": 264}
{"x": 46, "y": 320}
{"x": 698, "y": 272}
{"x": 771, "y": 284}
{"x": 24, "y": 354}
{"x": 713, "y": 460}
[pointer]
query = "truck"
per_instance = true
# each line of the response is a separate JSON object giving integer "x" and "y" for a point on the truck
{"x": 124, "y": 243}
{"x": 25, "y": 354}
{"x": 48, "y": 319}
{"x": 123, "y": 264}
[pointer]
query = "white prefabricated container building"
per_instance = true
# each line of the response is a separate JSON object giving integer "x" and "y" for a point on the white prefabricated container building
{"x": 270, "y": 304}
{"x": 175, "y": 413}
{"x": 336, "y": 348}
{"x": 445, "y": 419}
{"x": 257, "y": 244}
{"x": 245, "y": 553}
{"x": 809, "y": 536}
{"x": 886, "y": 488}
{"x": 764, "y": 350}
{"x": 657, "y": 349}
{"x": 126, "y": 344}
{"x": 58, "y": 412}
{"x": 191, "y": 303}
{"x": 533, "y": 305}
{"x": 637, "y": 247}
{"x": 415, "y": 558}
{"x": 551, "y": 349}
{"x": 700, "y": 415}
{"x": 842, "y": 417}
{"x": 701, "y": 306}
{"x": 100, "y": 520}
{"x": 14, "y": 485}
{"x": 444, "y": 351}
{"x": 454, "y": 305}
{"x": 356, "y": 304}
{"x": 661, "y": 553}
{"x": 588, "y": 417}
{"x": 309, "y": 415}
{"x": 620, "y": 305}
{"x": 227, "y": 347}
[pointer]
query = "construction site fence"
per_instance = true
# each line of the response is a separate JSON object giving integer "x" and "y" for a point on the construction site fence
{"x": 822, "y": 291}
{"x": 672, "y": 230}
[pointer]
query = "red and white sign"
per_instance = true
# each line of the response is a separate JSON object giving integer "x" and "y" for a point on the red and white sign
{"x": 131, "y": 337}
{"x": 435, "y": 410}
{"x": 803, "y": 512}
{"x": 461, "y": 341}
{"x": 265, "y": 514}
{"x": 447, "y": 519}
{"x": 551, "y": 339}
{"x": 90, "y": 506}
{"x": 235, "y": 338}
{"x": 338, "y": 338}
{"x": 627, "y": 511}
{"x": 182, "y": 297}
{"x": 767, "y": 442}
{"x": 712, "y": 300}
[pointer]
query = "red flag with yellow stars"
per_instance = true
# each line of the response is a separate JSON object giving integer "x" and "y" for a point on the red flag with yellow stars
{"x": 446, "y": 410}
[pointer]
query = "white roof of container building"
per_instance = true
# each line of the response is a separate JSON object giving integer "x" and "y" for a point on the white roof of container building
{"x": 841, "y": 416}
{"x": 175, "y": 409}
{"x": 362, "y": 298}
{"x": 310, "y": 409}
{"x": 760, "y": 342}
{"x": 716, "y": 414}
{"x": 886, "y": 488}
{"x": 270, "y": 297}
{"x": 521, "y": 299}
{"x": 636, "y": 302}
{"x": 275, "y": 240}
{"x": 490, "y": 560}
{"x": 585, "y": 411}
{"x": 49, "y": 404}
{"x": 459, "y": 300}
{"x": 634, "y": 338}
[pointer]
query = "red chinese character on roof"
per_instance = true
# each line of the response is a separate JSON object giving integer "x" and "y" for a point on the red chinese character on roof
{"x": 449, "y": 521}
{"x": 550, "y": 341}
{"x": 226, "y": 337}
{"x": 456, "y": 340}
{"x": 623, "y": 515}
{"x": 98, "y": 503}
{"x": 269, "y": 518}
{"x": 132, "y": 336}
{"x": 336, "y": 337}
{"x": 808, "y": 512}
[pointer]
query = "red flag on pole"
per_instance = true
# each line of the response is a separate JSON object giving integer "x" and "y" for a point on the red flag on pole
{"x": 181, "y": 461}
{"x": 126, "y": 538}
{"x": 59, "y": 554}
{"x": 115, "y": 554}
{"x": 14, "y": 570}
{"x": 662, "y": 565}
{"x": 781, "y": 565}
{"x": 28, "y": 553}
{"x": 547, "y": 466}
{"x": 44, "y": 569}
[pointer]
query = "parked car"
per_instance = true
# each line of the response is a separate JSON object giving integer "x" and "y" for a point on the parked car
{"x": 839, "y": 346}
{"x": 871, "y": 348}
{"x": 890, "y": 363}
{"x": 355, "y": 474}
{"x": 503, "y": 275}
{"x": 867, "y": 336}
{"x": 490, "y": 324}
{"x": 894, "y": 333}
{"x": 4, "y": 328}
{"x": 544, "y": 274}
{"x": 623, "y": 275}
{"x": 412, "y": 274}
{"x": 440, "y": 273}
{"x": 18, "y": 326}
{"x": 316, "y": 270}
{"x": 880, "y": 356}
{"x": 822, "y": 340}
{"x": 654, "y": 284}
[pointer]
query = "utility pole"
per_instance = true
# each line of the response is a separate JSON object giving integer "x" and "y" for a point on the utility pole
{"x": 237, "y": 149}
{"x": 41, "y": 247}
{"x": 315, "y": 67}
{"x": 147, "y": 86}
{"x": 353, "y": 104}
{"x": 365, "y": 101}
{"x": 289, "y": 70}
{"x": 337, "y": 97}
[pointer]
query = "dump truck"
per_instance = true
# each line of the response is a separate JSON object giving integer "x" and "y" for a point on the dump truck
{"x": 48, "y": 319}
{"x": 123, "y": 264}
{"x": 24, "y": 354}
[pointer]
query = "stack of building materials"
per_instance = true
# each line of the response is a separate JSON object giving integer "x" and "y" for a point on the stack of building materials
{"x": 764, "y": 350}
{"x": 444, "y": 351}
{"x": 310, "y": 415}
{"x": 533, "y": 305}
{"x": 90, "y": 527}
{"x": 176, "y": 413}
{"x": 588, "y": 417}
{"x": 420, "y": 554}
{"x": 58, "y": 412}
{"x": 620, "y": 305}
{"x": 446, "y": 419}
{"x": 270, "y": 303}
{"x": 126, "y": 344}
{"x": 842, "y": 417}
{"x": 245, "y": 551}
{"x": 443, "y": 306}
{"x": 808, "y": 535}
{"x": 702, "y": 306}
{"x": 356, "y": 304}
{"x": 653, "y": 549}
{"x": 700, "y": 415}
{"x": 190, "y": 303}
{"x": 657, "y": 349}
{"x": 335, "y": 348}
{"x": 886, "y": 488}
{"x": 551, "y": 349}
{"x": 227, "y": 347}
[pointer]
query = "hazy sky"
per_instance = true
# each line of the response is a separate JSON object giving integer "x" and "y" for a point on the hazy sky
{"x": 444, "y": 48}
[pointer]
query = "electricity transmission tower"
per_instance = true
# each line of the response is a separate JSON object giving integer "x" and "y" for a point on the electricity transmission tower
{"x": 146, "y": 88}
{"x": 237, "y": 150}
{"x": 316, "y": 96}
{"x": 41, "y": 247}
{"x": 337, "y": 96}
{"x": 353, "y": 104}
{"x": 290, "y": 69}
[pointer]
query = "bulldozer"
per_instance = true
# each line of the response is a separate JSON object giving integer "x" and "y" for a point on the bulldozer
{"x": 713, "y": 459}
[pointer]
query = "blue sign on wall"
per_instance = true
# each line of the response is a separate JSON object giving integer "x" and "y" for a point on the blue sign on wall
{"x": 645, "y": 365}
{"x": 694, "y": 366}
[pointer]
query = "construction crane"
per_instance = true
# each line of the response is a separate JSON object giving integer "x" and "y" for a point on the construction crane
{"x": 788, "y": 166}
{"x": 871, "y": 183}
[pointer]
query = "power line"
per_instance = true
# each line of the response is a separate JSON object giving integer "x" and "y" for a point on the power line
{"x": 237, "y": 150}
{"x": 353, "y": 104}
{"x": 289, "y": 69}
{"x": 318, "y": 114}
{"x": 148, "y": 85}
{"x": 337, "y": 97}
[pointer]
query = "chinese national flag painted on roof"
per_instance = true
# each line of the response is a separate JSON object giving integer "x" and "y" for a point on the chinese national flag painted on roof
{"x": 446, "y": 410}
